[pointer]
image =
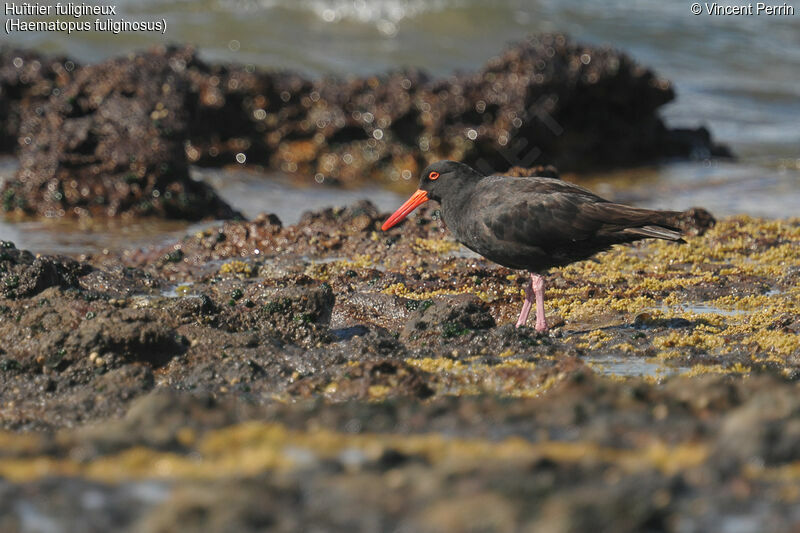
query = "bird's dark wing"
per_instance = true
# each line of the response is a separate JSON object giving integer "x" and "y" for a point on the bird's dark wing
{"x": 548, "y": 213}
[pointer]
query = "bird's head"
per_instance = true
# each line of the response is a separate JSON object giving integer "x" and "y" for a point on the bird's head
{"x": 437, "y": 180}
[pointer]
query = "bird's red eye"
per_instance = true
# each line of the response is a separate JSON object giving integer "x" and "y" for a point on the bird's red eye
{"x": 433, "y": 175}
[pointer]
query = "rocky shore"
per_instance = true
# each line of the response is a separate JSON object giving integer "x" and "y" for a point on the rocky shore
{"x": 327, "y": 375}
{"x": 326, "y": 364}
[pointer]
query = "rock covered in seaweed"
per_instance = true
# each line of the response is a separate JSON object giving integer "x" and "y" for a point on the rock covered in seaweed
{"x": 545, "y": 100}
{"x": 316, "y": 309}
{"x": 111, "y": 142}
{"x": 27, "y": 78}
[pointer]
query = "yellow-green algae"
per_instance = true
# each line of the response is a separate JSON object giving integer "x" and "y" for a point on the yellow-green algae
{"x": 324, "y": 271}
{"x": 254, "y": 447}
{"x": 183, "y": 290}
{"x": 466, "y": 377}
{"x": 400, "y": 289}
{"x": 238, "y": 268}
{"x": 661, "y": 267}
{"x": 653, "y": 279}
{"x": 436, "y": 246}
{"x": 730, "y": 284}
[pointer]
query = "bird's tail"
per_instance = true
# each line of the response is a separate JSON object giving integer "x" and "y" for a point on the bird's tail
{"x": 656, "y": 232}
{"x": 639, "y": 222}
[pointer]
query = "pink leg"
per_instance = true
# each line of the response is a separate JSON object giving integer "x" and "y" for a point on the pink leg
{"x": 537, "y": 283}
{"x": 526, "y": 306}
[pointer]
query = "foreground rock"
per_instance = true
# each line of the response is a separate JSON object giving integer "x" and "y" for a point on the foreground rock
{"x": 25, "y": 275}
{"x": 363, "y": 380}
{"x": 332, "y": 308}
{"x": 631, "y": 456}
{"x": 111, "y": 142}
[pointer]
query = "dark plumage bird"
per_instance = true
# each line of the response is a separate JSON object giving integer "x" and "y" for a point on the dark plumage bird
{"x": 531, "y": 223}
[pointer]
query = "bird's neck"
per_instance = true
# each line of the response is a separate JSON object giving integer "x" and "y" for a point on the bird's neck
{"x": 456, "y": 203}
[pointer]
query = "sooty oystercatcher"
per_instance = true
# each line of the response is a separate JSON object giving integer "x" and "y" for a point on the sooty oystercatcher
{"x": 531, "y": 223}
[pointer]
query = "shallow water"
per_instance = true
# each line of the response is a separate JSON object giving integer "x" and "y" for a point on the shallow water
{"x": 629, "y": 367}
{"x": 724, "y": 188}
{"x": 255, "y": 192}
{"x": 250, "y": 192}
{"x": 703, "y": 308}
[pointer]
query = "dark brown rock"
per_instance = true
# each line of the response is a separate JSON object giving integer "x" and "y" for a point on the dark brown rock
{"x": 763, "y": 431}
{"x": 27, "y": 78}
{"x": 362, "y": 380}
{"x": 695, "y": 221}
{"x": 133, "y": 334}
{"x": 463, "y": 427}
{"x": 292, "y": 313}
{"x": 543, "y": 100}
{"x": 447, "y": 317}
{"x": 111, "y": 142}
{"x": 23, "y": 275}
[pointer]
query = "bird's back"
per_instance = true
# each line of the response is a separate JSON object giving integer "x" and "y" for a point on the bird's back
{"x": 537, "y": 223}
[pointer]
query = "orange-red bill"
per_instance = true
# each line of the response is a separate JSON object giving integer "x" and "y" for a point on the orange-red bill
{"x": 416, "y": 200}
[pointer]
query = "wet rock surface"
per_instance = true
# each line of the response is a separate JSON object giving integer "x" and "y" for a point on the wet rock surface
{"x": 449, "y": 317}
{"x": 366, "y": 380}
